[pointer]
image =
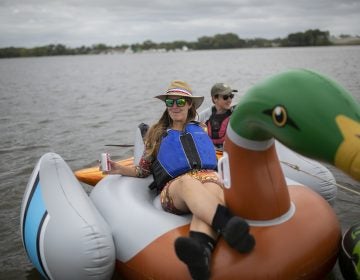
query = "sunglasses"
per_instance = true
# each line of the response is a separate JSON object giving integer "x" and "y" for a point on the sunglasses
{"x": 180, "y": 102}
{"x": 226, "y": 97}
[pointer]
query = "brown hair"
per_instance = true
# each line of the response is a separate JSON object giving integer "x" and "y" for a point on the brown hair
{"x": 156, "y": 131}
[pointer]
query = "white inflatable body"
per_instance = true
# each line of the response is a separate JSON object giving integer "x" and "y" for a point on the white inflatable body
{"x": 69, "y": 235}
{"x": 63, "y": 233}
{"x": 307, "y": 172}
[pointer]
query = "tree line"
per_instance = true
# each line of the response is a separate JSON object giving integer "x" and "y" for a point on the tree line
{"x": 310, "y": 37}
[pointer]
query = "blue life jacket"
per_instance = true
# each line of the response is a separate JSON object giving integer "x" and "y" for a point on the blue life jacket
{"x": 182, "y": 151}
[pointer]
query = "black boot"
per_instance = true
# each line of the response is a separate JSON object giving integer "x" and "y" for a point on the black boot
{"x": 234, "y": 230}
{"x": 195, "y": 252}
{"x": 236, "y": 234}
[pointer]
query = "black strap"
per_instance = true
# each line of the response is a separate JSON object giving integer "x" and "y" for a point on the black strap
{"x": 190, "y": 150}
{"x": 161, "y": 177}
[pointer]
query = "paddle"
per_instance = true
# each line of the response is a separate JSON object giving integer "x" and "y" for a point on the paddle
{"x": 120, "y": 145}
{"x": 143, "y": 129}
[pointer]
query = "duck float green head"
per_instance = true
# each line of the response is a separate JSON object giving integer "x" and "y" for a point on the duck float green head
{"x": 308, "y": 113}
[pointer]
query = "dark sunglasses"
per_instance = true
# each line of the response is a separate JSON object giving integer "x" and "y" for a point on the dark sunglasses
{"x": 180, "y": 102}
{"x": 226, "y": 97}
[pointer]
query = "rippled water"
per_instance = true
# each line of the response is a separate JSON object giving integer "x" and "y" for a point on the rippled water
{"x": 75, "y": 105}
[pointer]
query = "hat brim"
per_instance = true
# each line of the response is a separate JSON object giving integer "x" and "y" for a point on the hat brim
{"x": 227, "y": 91}
{"x": 197, "y": 100}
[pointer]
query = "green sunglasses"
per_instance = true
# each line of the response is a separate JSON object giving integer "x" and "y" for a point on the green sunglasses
{"x": 180, "y": 102}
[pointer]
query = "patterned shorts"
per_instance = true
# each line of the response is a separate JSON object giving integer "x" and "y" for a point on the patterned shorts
{"x": 204, "y": 176}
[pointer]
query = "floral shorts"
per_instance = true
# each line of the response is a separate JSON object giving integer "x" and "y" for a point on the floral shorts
{"x": 204, "y": 176}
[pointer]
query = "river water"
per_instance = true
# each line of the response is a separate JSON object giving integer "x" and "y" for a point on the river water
{"x": 75, "y": 105}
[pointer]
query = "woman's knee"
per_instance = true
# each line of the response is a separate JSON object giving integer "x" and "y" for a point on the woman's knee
{"x": 187, "y": 187}
{"x": 216, "y": 191}
{"x": 187, "y": 183}
{"x": 185, "y": 179}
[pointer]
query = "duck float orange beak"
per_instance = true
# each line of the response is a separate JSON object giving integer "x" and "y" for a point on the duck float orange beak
{"x": 68, "y": 234}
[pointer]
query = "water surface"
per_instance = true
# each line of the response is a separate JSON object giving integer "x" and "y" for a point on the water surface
{"x": 74, "y": 105}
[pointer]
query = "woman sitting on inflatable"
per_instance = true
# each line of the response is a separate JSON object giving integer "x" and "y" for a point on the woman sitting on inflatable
{"x": 182, "y": 159}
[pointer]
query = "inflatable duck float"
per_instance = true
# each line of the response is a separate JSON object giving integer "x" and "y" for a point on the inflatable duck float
{"x": 295, "y": 167}
{"x": 70, "y": 235}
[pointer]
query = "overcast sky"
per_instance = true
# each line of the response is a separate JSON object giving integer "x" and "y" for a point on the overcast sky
{"x": 29, "y": 23}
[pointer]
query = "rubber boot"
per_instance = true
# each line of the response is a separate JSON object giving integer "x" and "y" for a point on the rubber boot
{"x": 195, "y": 251}
{"x": 234, "y": 230}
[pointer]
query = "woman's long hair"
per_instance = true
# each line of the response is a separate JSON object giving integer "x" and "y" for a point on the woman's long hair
{"x": 156, "y": 131}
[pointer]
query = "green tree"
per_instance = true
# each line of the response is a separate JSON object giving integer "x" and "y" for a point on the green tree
{"x": 148, "y": 44}
{"x": 308, "y": 38}
{"x": 100, "y": 48}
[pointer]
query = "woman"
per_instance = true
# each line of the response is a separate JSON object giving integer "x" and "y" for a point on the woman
{"x": 182, "y": 159}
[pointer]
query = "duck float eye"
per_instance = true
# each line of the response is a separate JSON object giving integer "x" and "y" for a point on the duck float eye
{"x": 279, "y": 116}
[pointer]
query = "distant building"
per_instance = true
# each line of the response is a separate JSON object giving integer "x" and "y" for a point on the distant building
{"x": 345, "y": 40}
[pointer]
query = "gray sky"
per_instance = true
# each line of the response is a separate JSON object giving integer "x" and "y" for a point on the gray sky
{"x": 29, "y": 23}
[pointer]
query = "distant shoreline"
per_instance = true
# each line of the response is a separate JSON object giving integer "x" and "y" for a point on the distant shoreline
{"x": 309, "y": 38}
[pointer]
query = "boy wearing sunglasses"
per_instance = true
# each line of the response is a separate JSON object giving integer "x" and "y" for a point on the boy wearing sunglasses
{"x": 217, "y": 117}
{"x": 181, "y": 157}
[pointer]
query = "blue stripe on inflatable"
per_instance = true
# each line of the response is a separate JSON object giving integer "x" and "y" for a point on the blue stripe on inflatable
{"x": 35, "y": 214}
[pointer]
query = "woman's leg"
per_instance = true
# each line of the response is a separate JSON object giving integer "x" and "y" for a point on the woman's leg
{"x": 189, "y": 194}
{"x": 210, "y": 217}
{"x": 197, "y": 224}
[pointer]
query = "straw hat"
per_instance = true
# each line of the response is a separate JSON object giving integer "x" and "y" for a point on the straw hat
{"x": 180, "y": 88}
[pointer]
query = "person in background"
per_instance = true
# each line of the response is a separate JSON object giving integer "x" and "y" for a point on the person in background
{"x": 217, "y": 117}
{"x": 181, "y": 157}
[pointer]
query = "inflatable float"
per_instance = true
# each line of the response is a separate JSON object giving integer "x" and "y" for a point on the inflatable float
{"x": 122, "y": 225}
{"x": 300, "y": 169}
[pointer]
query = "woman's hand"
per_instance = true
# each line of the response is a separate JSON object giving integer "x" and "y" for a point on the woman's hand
{"x": 119, "y": 169}
{"x": 115, "y": 168}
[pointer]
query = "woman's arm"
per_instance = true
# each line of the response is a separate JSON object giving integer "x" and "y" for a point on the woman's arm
{"x": 142, "y": 170}
{"x": 117, "y": 168}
